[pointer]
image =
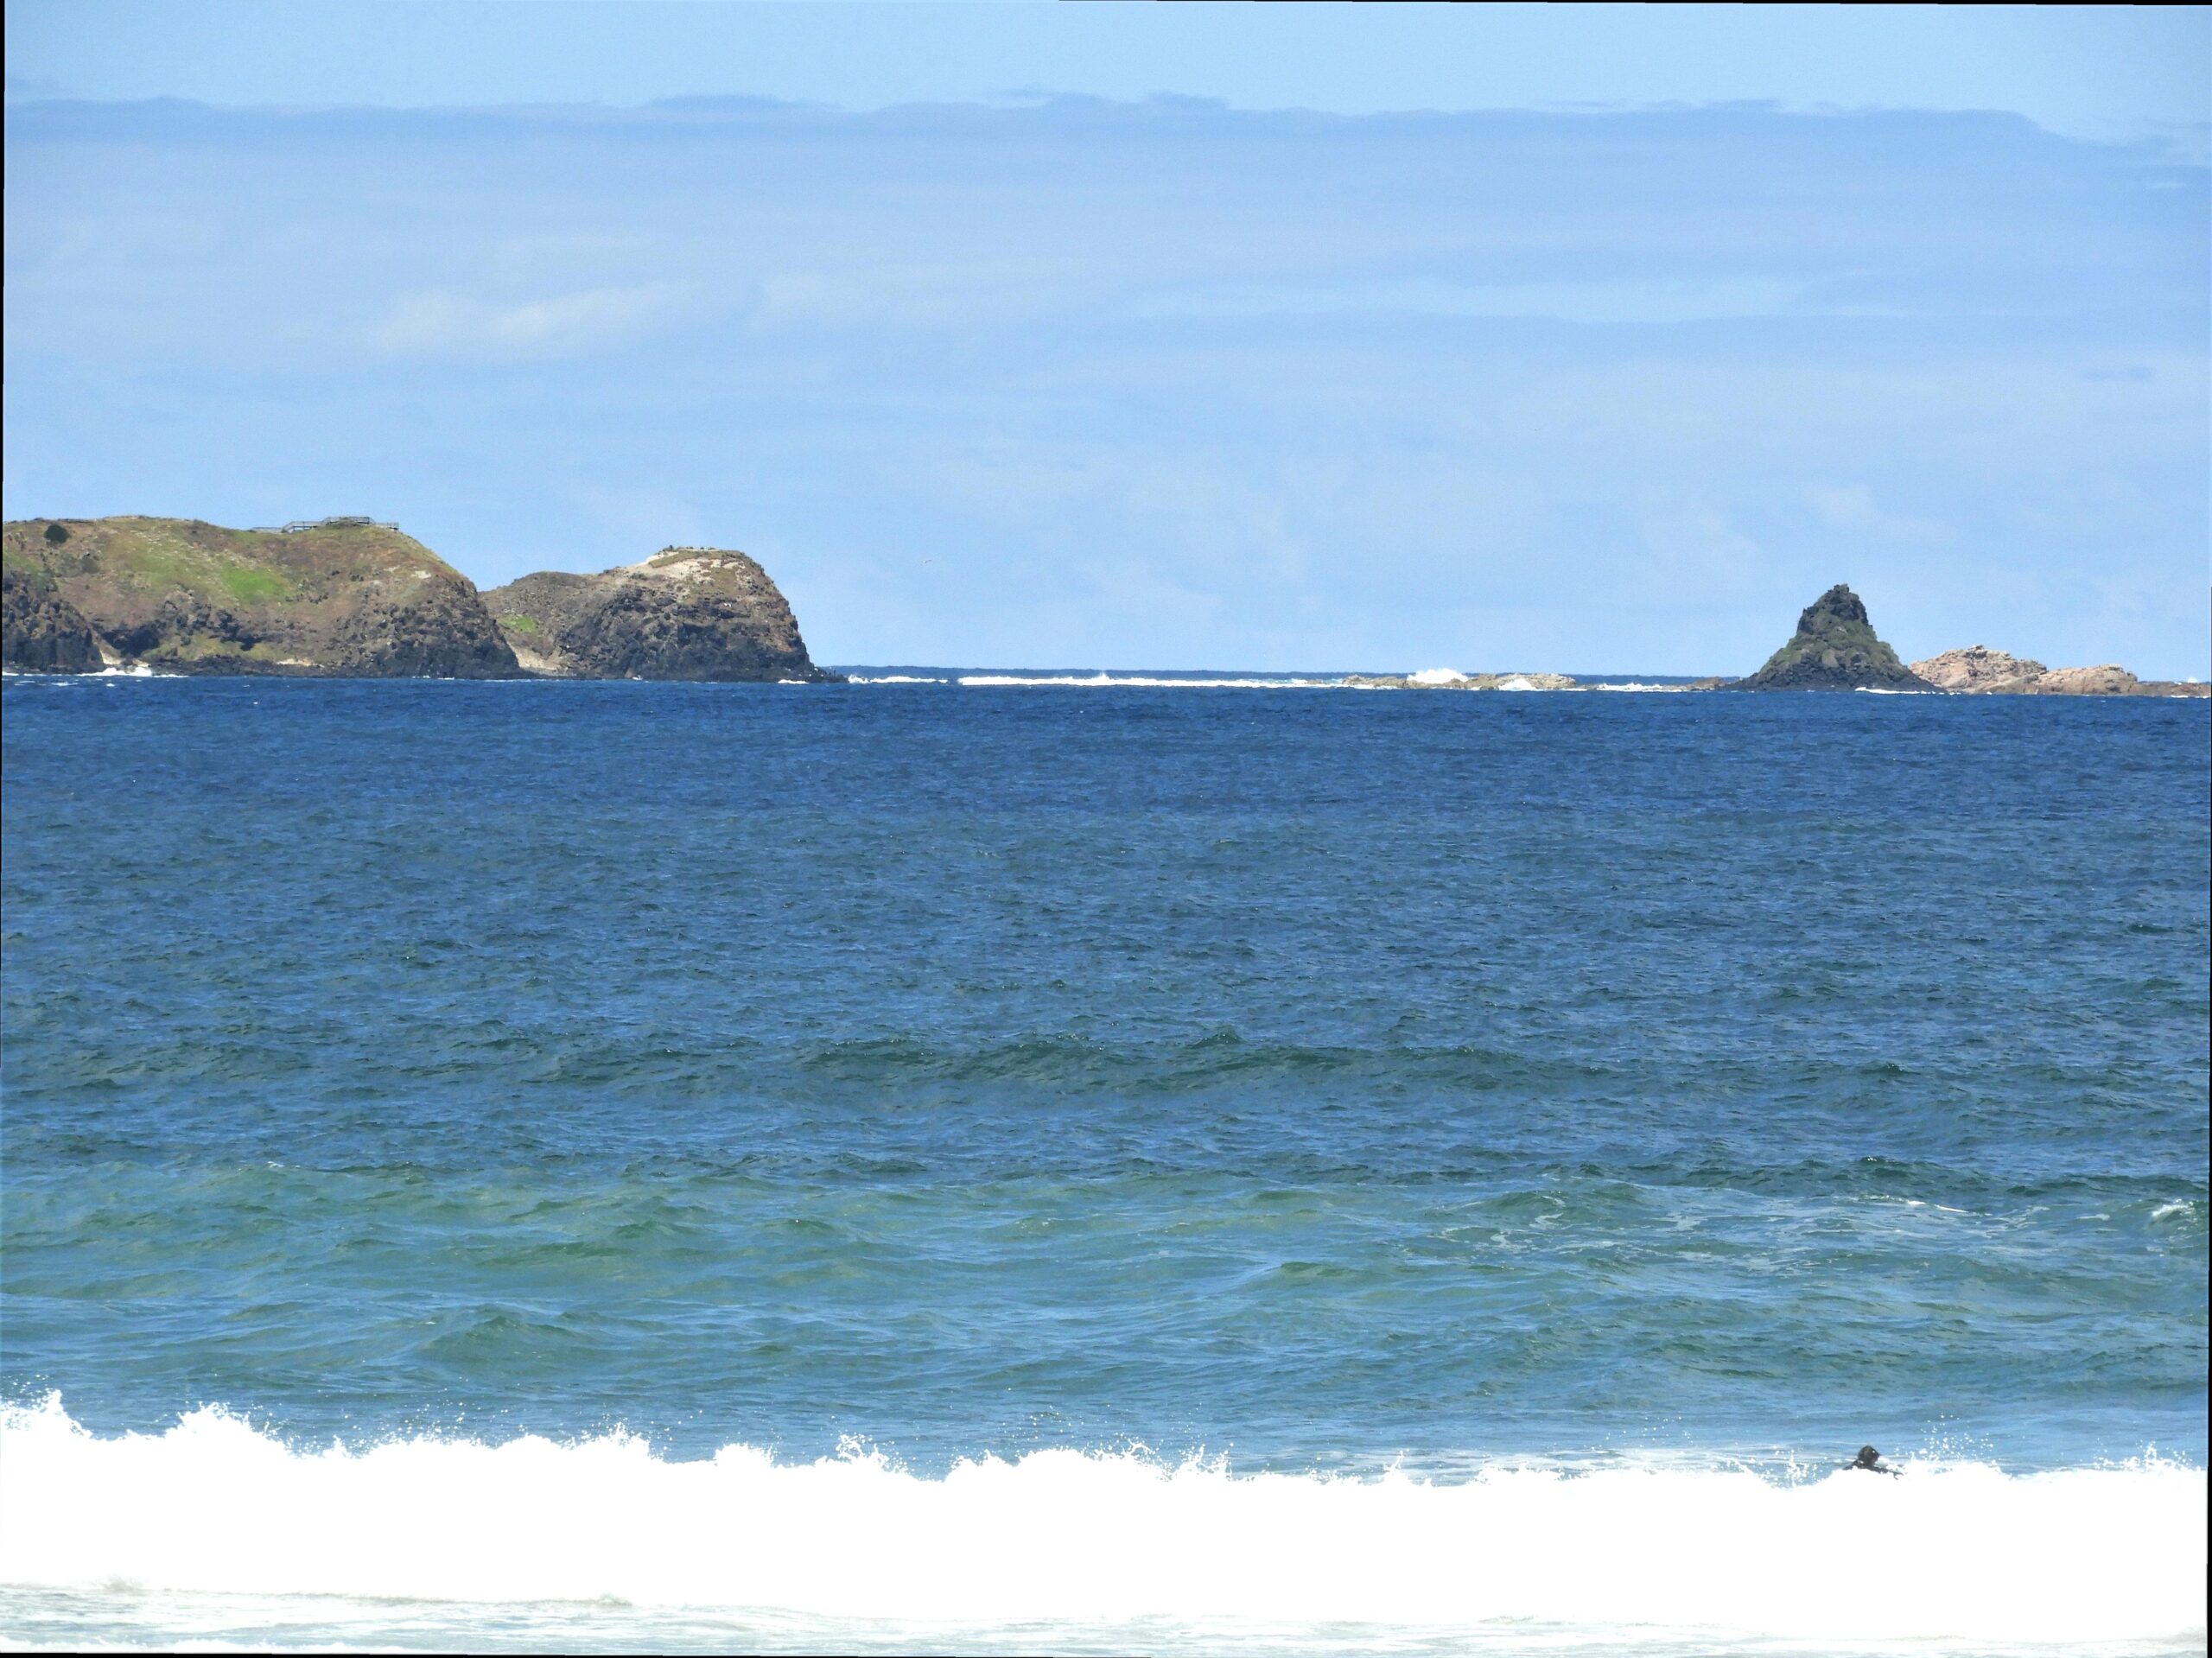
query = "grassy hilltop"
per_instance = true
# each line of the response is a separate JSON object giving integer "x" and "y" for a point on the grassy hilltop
{"x": 340, "y": 596}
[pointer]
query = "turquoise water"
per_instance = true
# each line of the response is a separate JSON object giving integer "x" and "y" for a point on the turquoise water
{"x": 1310, "y": 1082}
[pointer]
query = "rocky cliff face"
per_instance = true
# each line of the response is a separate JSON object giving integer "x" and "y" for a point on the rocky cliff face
{"x": 344, "y": 597}
{"x": 687, "y": 613}
{"x": 40, "y": 630}
{"x": 1834, "y": 649}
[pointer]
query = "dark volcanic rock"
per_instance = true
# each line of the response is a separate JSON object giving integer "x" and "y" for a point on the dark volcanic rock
{"x": 687, "y": 613}
{"x": 183, "y": 620}
{"x": 41, "y": 632}
{"x": 343, "y": 596}
{"x": 1835, "y": 650}
{"x": 440, "y": 632}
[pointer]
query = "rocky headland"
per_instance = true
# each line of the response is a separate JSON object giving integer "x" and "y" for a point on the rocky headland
{"x": 343, "y": 596}
{"x": 1978, "y": 671}
{"x": 686, "y": 612}
{"x": 1834, "y": 649}
{"x": 351, "y": 597}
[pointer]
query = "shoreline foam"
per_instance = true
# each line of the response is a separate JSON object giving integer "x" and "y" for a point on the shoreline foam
{"x": 1963, "y": 1550}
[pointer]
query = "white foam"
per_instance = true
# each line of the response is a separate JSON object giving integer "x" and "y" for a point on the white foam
{"x": 1437, "y": 676}
{"x": 894, "y": 679}
{"x": 1964, "y": 1551}
{"x": 1093, "y": 680}
{"x": 113, "y": 670}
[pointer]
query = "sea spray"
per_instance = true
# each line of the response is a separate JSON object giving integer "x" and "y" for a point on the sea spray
{"x": 1962, "y": 1550}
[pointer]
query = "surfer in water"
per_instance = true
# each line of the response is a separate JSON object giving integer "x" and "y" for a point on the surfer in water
{"x": 1871, "y": 1460}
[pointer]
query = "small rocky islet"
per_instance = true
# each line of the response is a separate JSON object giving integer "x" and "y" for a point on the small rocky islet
{"x": 1981, "y": 671}
{"x": 351, "y": 597}
{"x": 1836, "y": 649}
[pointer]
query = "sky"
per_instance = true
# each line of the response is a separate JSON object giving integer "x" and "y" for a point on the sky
{"x": 1594, "y": 340}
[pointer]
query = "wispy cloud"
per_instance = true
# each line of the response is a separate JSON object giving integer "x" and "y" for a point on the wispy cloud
{"x": 1853, "y": 507}
{"x": 464, "y": 327}
{"x": 1160, "y": 384}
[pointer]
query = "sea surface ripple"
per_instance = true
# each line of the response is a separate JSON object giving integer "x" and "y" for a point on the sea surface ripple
{"x": 1334, "y": 1084}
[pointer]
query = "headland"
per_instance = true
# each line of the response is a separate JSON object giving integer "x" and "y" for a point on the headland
{"x": 355, "y": 598}
{"x": 686, "y": 612}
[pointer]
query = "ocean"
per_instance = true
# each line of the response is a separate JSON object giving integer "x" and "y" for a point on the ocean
{"x": 1021, "y": 1161}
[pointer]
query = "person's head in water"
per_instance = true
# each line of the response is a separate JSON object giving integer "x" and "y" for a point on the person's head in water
{"x": 1871, "y": 1460}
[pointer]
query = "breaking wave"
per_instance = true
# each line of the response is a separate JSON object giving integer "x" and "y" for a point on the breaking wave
{"x": 1154, "y": 682}
{"x": 1962, "y": 1550}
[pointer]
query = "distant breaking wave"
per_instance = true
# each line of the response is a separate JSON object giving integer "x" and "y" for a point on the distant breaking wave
{"x": 1961, "y": 1551}
{"x": 1153, "y": 682}
{"x": 1427, "y": 679}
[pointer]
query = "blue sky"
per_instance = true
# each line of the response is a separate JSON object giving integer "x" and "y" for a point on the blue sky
{"x": 1585, "y": 340}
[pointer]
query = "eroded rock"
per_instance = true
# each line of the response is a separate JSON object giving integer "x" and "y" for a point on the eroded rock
{"x": 1978, "y": 667}
{"x": 687, "y": 613}
{"x": 1978, "y": 671}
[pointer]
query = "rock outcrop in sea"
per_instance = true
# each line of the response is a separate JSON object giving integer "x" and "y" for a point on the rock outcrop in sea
{"x": 1834, "y": 649}
{"x": 337, "y": 597}
{"x": 1979, "y": 671}
{"x": 687, "y": 613}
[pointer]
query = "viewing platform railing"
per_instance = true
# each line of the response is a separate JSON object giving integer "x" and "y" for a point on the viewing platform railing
{"x": 300, "y": 524}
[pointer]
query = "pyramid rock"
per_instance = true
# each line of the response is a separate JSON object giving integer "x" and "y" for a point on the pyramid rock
{"x": 1834, "y": 649}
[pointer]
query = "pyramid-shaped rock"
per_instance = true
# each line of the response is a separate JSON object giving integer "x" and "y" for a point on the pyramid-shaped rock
{"x": 1835, "y": 650}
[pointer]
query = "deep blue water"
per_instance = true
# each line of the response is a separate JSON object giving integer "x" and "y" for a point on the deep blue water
{"x": 1313, "y": 1075}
